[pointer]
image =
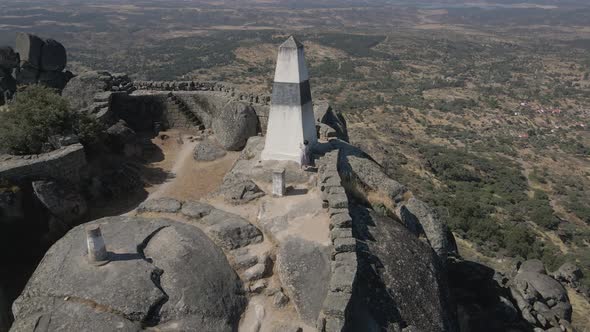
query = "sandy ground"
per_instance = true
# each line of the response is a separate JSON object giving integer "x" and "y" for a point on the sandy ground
{"x": 189, "y": 179}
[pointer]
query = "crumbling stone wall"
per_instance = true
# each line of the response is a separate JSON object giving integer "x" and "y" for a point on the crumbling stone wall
{"x": 258, "y": 99}
{"x": 335, "y": 310}
{"x": 65, "y": 164}
{"x": 201, "y": 94}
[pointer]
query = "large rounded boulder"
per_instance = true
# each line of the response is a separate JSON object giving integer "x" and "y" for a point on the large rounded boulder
{"x": 53, "y": 56}
{"x": 208, "y": 150}
{"x": 235, "y": 123}
{"x": 162, "y": 274}
{"x": 29, "y": 48}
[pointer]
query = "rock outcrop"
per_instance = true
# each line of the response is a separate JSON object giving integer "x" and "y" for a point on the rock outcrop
{"x": 483, "y": 299}
{"x": 542, "y": 300}
{"x": 92, "y": 92}
{"x": 33, "y": 61}
{"x": 41, "y": 61}
{"x": 400, "y": 282}
{"x": 361, "y": 174}
{"x": 151, "y": 282}
{"x": 420, "y": 219}
{"x": 331, "y": 123}
{"x": 568, "y": 273}
{"x": 295, "y": 259}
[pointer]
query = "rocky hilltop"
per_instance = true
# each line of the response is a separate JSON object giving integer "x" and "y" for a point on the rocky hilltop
{"x": 347, "y": 248}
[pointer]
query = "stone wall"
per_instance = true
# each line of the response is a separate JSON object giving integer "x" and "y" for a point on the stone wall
{"x": 198, "y": 95}
{"x": 65, "y": 163}
{"x": 335, "y": 309}
{"x": 257, "y": 99}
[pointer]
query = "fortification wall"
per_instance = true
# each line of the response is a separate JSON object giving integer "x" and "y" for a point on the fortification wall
{"x": 228, "y": 89}
{"x": 335, "y": 310}
{"x": 65, "y": 163}
{"x": 205, "y": 99}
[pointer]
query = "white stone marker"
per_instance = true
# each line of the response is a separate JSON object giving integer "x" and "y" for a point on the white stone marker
{"x": 97, "y": 251}
{"x": 291, "y": 120}
{"x": 278, "y": 182}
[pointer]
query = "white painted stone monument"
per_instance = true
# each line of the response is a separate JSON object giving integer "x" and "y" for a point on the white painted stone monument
{"x": 97, "y": 250}
{"x": 278, "y": 182}
{"x": 291, "y": 120}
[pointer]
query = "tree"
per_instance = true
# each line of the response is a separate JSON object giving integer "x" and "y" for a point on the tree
{"x": 37, "y": 114}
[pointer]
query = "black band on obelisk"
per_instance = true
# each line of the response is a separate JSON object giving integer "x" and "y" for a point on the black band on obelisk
{"x": 291, "y": 94}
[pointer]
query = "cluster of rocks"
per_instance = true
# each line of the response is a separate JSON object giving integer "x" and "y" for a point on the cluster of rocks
{"x": 570, "y": 275}
{"x": 228, "y": 230}
{"x": 34, "y": 61}
{"x": 330, "y": 124}
{"x": 203, "y": 86}
{"x": 542, "y": 300}
{"x": 41, "y": 61}
{"x": 92, "y": 92}
{"x": 238, "y": 189}
{"x": 335, "y": 308}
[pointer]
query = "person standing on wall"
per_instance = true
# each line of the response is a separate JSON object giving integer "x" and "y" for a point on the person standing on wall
{"x": 305, "y": 158}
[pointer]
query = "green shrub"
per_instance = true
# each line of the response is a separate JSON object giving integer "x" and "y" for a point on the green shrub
{"x": 37, "y": 114}
{"x": 520, "y": 241}
{"x": 540, "y": 211}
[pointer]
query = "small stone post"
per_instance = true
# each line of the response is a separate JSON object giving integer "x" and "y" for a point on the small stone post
{"x": 278, "y": 182}
{"x": 97, "y": 251}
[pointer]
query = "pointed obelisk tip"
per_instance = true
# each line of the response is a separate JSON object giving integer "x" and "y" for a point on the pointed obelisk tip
{"x": 292, "y": 42}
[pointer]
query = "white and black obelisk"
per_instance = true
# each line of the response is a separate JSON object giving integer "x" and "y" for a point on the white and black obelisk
{"x": 291, "y": 120}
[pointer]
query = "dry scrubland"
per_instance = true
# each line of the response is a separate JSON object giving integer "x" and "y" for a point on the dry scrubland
{"x": 481, "y": 111}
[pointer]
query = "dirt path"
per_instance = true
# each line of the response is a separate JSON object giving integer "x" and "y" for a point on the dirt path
{"x": 179, "y": 164}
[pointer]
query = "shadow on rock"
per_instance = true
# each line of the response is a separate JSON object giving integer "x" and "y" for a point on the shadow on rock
{"x": 483, "y": 302}
{"x": 400, "y": 280}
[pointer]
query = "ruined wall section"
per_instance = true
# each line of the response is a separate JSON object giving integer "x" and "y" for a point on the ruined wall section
{"x": 206, "y": 98}
{"x": 65, "y": 164}
{"x": 335, "y": 310}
